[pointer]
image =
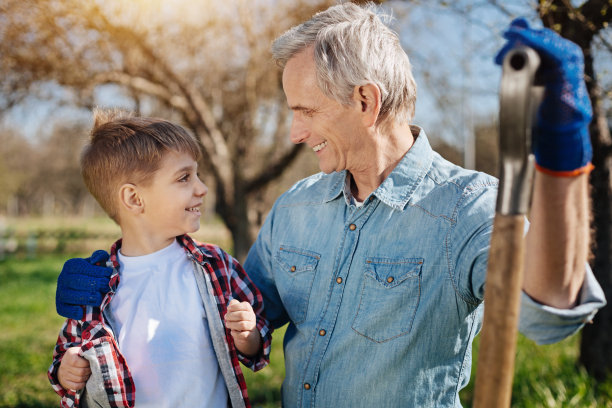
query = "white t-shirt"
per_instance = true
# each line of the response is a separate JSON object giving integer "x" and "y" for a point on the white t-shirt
{"x": 161, "y": 329}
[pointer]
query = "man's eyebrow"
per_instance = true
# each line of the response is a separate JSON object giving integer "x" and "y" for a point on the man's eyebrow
{"x": 300, "y": 108}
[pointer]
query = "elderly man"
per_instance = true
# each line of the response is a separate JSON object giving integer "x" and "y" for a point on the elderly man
{"x": 378, "y": 263}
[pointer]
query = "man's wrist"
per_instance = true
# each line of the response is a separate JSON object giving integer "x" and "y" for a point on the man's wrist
{"x": 569, "y": 173}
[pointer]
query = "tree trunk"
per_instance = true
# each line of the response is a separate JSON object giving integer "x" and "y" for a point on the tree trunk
{"x": 236, "y": 218}
{"x": 596, "y": 341}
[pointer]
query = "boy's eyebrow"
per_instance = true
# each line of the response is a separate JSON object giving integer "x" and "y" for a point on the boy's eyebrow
{"x": 186, "y": 168}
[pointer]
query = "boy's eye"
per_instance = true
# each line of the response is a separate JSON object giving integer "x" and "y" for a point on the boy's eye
{"x": 184, "y": 178}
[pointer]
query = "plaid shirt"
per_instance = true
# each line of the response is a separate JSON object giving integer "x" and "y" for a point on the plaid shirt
{"x": 97, "y": 341}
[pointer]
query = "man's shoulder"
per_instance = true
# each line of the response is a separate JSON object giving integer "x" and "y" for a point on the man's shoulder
{"x": 316, "y": 188}
{"x": 443, "y": 173}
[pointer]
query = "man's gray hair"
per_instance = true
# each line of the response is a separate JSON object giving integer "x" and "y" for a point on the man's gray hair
{"x": 354, "y": 47}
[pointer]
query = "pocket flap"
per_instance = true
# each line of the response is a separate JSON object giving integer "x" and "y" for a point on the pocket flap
{"x": 295, "y": 260}
{"x": 390, "y": 272}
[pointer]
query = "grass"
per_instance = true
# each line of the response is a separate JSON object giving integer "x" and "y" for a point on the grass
{"x": 545, "y": 376}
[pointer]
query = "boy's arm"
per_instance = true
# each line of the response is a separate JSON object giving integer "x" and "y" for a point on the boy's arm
{"x": 243, "y": 290}
{"x": 242, "y": 322}
{"x": 74, "y": 370}
{"x": 69, "y": 338}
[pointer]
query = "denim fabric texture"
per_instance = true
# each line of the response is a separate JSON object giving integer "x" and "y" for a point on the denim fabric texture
{"x": 383, "y": 301}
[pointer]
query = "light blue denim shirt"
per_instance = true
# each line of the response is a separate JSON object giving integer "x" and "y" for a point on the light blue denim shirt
{"x": 383, "y": 301}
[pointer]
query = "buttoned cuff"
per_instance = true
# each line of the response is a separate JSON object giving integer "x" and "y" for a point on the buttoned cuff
{"x": 545, "y": 324}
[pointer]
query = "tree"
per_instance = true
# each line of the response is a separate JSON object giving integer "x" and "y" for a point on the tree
{"x": 212, "y": 72}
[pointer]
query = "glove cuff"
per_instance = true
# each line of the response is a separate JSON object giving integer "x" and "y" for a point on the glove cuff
{"x": 572, "y": 173}
{"x": 563, "y": 151}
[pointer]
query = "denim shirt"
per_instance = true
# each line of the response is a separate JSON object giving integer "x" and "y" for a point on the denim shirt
{"x": 383, "y": 301}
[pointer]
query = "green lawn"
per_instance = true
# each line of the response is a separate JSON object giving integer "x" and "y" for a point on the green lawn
{"x": 545, "y": 376}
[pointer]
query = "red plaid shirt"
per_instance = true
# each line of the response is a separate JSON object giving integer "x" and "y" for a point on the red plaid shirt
{"x": 229, "y": 281}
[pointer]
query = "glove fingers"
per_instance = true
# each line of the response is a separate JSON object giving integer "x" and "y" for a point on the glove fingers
{"x": 79, "y": 266}
{"x": 71, "y": 297}
{"x": 85, "y": 283}
{"x": 548, "y": 43}
{"x": 70, "y": 311}
{"x": 98, "y": 257}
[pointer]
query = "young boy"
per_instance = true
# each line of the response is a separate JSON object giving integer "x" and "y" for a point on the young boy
{"x": 180, "y": 314}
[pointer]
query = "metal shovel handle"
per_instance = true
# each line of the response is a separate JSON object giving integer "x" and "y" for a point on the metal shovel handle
{"x": 519, "y": 98}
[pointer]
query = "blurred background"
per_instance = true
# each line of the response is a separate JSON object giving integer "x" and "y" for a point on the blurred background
{"x": 206, "y": 65}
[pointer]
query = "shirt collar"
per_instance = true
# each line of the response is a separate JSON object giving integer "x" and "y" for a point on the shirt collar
{"x": 397, "y": 189}
{"x": 188, "y": 243}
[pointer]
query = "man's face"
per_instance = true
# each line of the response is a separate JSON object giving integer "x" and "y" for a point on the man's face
{"x": 333, "y": 131}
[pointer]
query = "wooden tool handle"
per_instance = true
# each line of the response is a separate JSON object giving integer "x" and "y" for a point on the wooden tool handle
{"x": 501, "y": 312}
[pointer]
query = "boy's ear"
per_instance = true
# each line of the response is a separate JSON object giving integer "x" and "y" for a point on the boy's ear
{"x": 369, "y": 98}
{"x": 130, "y": 198}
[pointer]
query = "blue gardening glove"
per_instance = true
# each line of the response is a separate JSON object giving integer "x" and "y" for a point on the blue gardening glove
{"x": 82, "y": 282}
{"x": 561, "y": 141}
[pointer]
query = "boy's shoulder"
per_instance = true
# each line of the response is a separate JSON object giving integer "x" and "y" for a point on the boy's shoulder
{"x": 203, "y": 250}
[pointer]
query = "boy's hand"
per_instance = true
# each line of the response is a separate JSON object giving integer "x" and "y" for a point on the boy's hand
{"x": 241, "y": 320}
{"x": 74, "y": 370}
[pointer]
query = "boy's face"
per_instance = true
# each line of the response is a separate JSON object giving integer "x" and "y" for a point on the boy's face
{"x": 173, "y": 198}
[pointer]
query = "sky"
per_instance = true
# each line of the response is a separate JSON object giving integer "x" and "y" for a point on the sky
{"x": 452, "y": 58}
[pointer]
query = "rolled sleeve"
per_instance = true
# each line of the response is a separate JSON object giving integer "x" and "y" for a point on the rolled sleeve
{"x": 545, "y": 324}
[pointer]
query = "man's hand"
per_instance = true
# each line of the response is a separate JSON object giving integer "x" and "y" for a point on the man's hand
{"x": 562, "y": 145}
{"x": 82, "y": 282}
{"x": 74, "y": 370}
{"x": 241, "y": 320}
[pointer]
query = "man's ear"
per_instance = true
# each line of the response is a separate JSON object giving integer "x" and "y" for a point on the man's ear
{"x": 369, "y": 98}
{"x": 129, "y": 198}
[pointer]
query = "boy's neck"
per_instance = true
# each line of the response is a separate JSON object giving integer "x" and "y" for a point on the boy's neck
{"x": 134, "y": 244}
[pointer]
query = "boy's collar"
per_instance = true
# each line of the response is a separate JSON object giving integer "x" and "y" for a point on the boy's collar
{"x": 189, "y": 244}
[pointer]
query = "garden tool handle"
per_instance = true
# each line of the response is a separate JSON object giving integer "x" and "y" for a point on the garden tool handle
{"x": 519, "y": 98}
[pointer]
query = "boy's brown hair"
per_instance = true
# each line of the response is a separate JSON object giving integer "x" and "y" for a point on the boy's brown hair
{"x": 124, "y": 148}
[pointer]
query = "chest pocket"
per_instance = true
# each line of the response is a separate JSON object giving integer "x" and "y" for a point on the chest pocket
{"x": 297, "y": 268}
{"x": 389, "y": 298}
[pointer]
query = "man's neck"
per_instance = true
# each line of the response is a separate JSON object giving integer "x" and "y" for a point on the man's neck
{"x": 390, "y": 147}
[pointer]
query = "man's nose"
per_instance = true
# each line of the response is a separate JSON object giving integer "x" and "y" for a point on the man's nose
{"x": 298, "y": 132}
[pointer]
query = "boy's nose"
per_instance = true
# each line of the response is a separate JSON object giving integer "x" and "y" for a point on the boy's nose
{"x": 201, "y": 189}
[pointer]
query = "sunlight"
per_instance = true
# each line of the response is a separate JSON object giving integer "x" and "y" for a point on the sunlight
{"x": 145, "y": 12}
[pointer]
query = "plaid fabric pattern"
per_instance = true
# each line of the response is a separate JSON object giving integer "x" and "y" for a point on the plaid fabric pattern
{"x": 229, "y": 281}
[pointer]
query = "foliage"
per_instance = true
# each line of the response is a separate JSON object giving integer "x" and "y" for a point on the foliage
{"x": 204, "y": 64}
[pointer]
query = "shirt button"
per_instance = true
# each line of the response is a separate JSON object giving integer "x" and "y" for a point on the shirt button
{"x": 292, "y": 269}
{"x": 338, "y": 280}
{"x": 306, "y": 386}
{"x": 390, "y": 279}
{"x": 352, "y": 227}
{"x": 322, "y": 332}
{"x": 371, "y": 198}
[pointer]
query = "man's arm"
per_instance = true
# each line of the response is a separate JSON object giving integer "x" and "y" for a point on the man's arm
{"x": 557, "y": 244}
